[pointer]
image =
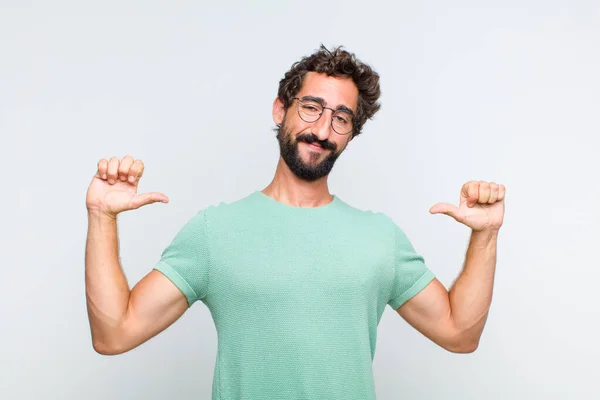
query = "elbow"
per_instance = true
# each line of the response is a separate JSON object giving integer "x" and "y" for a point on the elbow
{"x": 464, "y": 348}
{"x": 109, "y": 340}
{"x": 101, "y": 349}
{"x": 107, "y": 350}
{"x": 461, "y": 344}
{"x": 108, "y": 346}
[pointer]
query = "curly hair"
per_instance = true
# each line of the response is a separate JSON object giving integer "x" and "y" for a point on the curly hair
{"x": 339, "y": 63}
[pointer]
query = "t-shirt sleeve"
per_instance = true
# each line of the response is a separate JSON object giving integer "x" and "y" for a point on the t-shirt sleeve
{"x": 411, "y": 273}
{"x": 186, "y": 260}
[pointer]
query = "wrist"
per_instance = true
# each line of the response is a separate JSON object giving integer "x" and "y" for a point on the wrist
{"x": 97, "y": 214}
{"x": 486, "y": 231}
{"x": 484, "y": 235}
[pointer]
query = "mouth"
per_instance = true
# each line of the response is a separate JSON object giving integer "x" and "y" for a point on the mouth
{"x": 314, "y": 146}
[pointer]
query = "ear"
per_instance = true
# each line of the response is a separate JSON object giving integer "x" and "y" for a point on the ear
{"x": 278, "y": 111}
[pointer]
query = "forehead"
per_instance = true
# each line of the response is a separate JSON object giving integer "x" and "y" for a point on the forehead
{"x": 336, "y": 91}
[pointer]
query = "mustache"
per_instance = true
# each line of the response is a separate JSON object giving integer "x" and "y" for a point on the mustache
{"x": 312, "y": 138}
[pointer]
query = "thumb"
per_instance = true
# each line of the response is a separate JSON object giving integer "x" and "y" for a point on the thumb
{"x": 444, "y": 208}
{"x": 140, "y": 200}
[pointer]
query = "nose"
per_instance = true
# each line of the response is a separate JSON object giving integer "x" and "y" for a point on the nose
{"x": 322, "y": 127}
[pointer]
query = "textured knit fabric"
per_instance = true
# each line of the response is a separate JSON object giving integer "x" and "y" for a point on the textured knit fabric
{"x": 295, "y": 293}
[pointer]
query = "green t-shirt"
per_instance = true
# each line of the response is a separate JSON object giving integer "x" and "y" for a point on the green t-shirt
{"x": 295, "y": 293}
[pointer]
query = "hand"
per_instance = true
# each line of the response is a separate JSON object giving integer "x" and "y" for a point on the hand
{"x": 114, "y": 187}
{"x": 481, "y": 206}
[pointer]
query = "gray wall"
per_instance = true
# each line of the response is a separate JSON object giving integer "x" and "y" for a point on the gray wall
{"x": 506, "y": 93}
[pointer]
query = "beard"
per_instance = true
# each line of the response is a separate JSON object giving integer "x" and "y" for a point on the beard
{"x": 288, "y": 148}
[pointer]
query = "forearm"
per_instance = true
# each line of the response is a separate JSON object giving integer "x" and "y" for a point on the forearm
{"x": 471, "y": 294}
{"x": 107, "y": 290}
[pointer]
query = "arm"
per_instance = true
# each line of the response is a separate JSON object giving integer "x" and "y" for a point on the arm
{"x": 120, "y": 319}
{"x": 455, "y": 319}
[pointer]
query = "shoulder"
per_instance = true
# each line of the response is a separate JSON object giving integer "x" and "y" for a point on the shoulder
{"x": 225, "y": 211}
{"x": 380, "y": 223}
{"x": 377, "y": 220}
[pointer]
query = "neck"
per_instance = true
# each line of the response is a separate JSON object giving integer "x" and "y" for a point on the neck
{"x": 287, "y": 188}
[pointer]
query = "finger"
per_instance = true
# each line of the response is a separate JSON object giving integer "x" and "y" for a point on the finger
{"x": 136, "y": 171}
{"x": 501, "y": 192}
{"x": 484, "y": 192}
{"x": 493, "y": 193}
{"x": 471, "y": 192}
{"x": 444, "y": 208}
{"x": 124, "y": 166}
{"x": 102, "y": 167}
{"x": 113, "y": 167}
{"x": 148, "y": 198}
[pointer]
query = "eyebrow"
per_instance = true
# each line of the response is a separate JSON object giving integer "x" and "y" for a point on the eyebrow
{"x": 322, "y": 101}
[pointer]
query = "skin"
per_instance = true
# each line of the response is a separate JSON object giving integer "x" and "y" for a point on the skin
{"x": 287, "y": 187}
{"x": 455, "y": 319}
{"x": 122, "y": 319}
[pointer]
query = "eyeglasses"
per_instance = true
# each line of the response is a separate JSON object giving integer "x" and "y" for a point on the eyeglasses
{"x": 310, "y": 110}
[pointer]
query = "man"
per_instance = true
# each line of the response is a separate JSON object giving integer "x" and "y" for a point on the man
{"x": 296, "y": 279}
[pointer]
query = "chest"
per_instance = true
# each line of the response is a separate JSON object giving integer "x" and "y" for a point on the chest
{"x": 286, "y": 268}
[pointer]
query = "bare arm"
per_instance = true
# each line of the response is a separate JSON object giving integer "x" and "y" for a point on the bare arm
{"x": 120, "y": 319}
{"x": 455, "y": 319}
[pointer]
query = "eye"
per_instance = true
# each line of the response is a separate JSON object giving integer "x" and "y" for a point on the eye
{"x": 311, "y": 109}
{"x": 342, "y": 119}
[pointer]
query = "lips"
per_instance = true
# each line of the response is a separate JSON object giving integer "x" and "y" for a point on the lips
{"x": 313, "y": 140}
{"x": 314, "y": 146}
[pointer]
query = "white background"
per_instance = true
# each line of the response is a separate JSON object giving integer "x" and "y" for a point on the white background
{"x": 500, "y": 91}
